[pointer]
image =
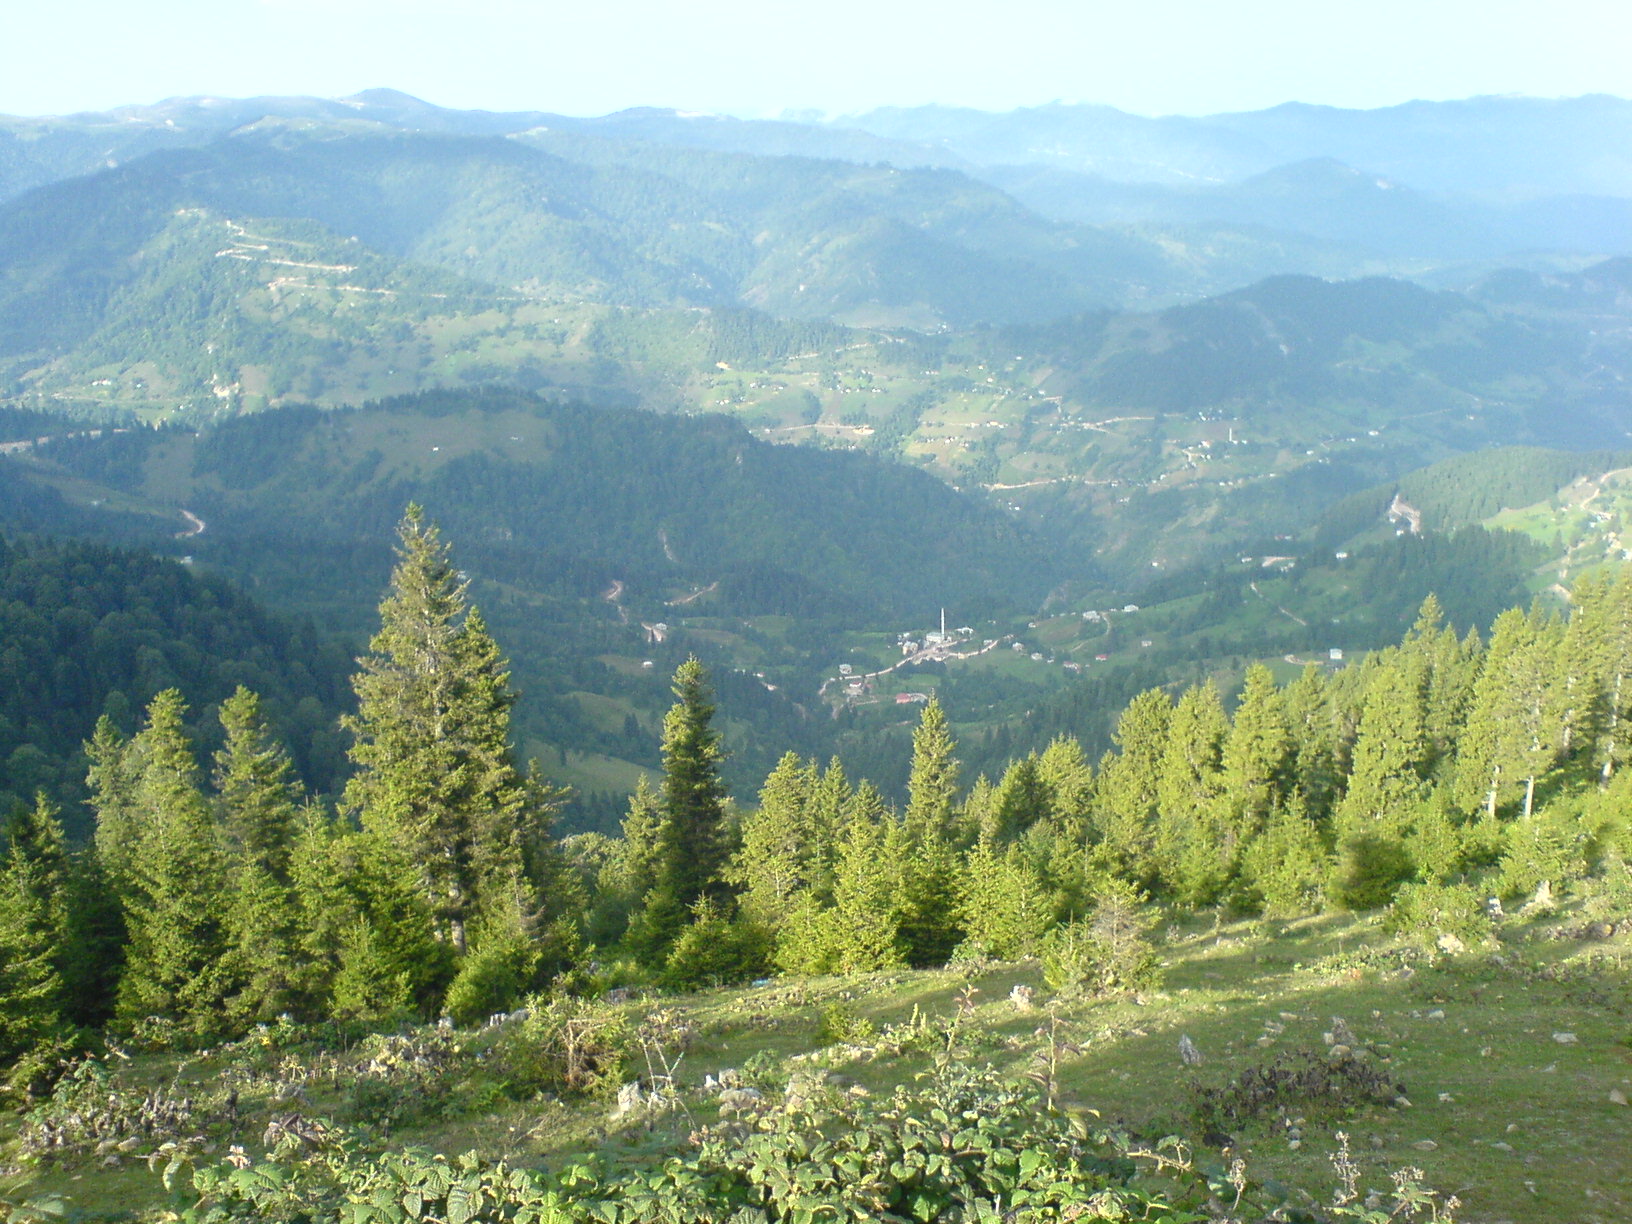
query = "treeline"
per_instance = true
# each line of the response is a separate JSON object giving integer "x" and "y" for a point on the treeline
{"x": 1431, "y": 763}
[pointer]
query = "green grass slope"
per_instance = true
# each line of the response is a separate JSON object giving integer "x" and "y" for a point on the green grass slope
{"x": 1501, "y": 1074}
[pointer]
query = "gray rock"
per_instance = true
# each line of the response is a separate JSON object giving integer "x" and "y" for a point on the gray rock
{"x": 1188, "y": 1054}
{"x": 630, "y": 1099}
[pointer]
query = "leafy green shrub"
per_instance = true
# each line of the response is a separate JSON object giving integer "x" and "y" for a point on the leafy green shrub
{"x": 961, "y": 1146}
{"x": 567, "y": 1046}
{"x": 1434, "y": 915}
{"x": 841, "y": 1025}
{"x": 93, "y": 1106}
{"x": 404, "y": 1078}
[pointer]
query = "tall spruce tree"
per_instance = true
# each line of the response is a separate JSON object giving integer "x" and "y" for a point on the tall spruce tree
{"x": 436, "y": 784}
{"x": 864, "y": 924}
{"x": 176, "y": 907}
{"x": 1513, "y": 721}
{"x": 1193, "y": 848}
{"x": 258, "y": 802}
{"x": 779, "y": 841}
{"x": 34, "y": 944}
{"x": 929, "y": 927}
{"x": 692, "y": 846}
{"x": 1256, "y": 759}
{"x": 1389, "y": 756}
{"x": 932, "y": 783}
{"x": 1127, "y": 787}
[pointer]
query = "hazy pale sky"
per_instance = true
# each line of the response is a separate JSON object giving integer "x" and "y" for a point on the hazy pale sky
{"x": 757, "y": 57}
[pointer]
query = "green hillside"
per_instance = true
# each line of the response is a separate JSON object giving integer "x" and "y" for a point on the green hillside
{"x": 583, "y": 528}
{"x": 90, "y": 630}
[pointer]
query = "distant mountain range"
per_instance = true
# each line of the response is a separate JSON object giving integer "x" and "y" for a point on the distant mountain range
{"x": 1307, "y": 188}
{"x": 1155, "y": 377}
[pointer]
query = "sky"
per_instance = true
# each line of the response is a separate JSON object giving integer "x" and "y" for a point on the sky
{"x": 757, "y": 58}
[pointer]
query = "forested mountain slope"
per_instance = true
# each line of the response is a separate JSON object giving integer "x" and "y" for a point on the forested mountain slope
{"x": 90, "y": 630}
{"x": 591, "y": 535}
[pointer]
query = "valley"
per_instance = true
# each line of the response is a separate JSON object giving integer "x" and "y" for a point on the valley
{"x": 923, "y": 665}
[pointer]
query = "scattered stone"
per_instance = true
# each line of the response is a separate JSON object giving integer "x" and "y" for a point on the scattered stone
{"x": 1542, "y": 901}
{"x": 1485, "y": 1051}
{"x": 1426, "y": 1145}
{"x": 728, "y": 1078}
{"x": 1294, "y": 1144}
{"x": 1437, "y": 1014}
{"x": 1289, "y": 1016}
{"x": 1341, "y": 1033}
{"x": 1376, "y": 1141}
{"x": 1339, "y": 1052}
{"x": 1493, "y": 907}
{"x": 1446, "y": 1098}
{"x": 1021, "y": 997}
{"x": 1502, "y": 1147}
{"x": 1617, "y": 1097}
{"x": 1601, "y": 930}
{"x": 1402, "y": 1102}
{"x": 1265, "y": 1041}
{"x": 1566, "y": 1039}
{"x": 630, "y": 1098}
{"x": 1188, "y": 1054}
{"x": 1450, "y": 944}
{"x": 620, "y": 994}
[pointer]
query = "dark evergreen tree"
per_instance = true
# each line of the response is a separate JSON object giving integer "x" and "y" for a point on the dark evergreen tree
{"x": 693, "y": 846}
{"x": 1126, "y": 790}
{"x": 176, "y": 907}
{"x": 35, "y": 1029}
{"x": 929, "y": 929}
{"x": 435, "y": 782}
